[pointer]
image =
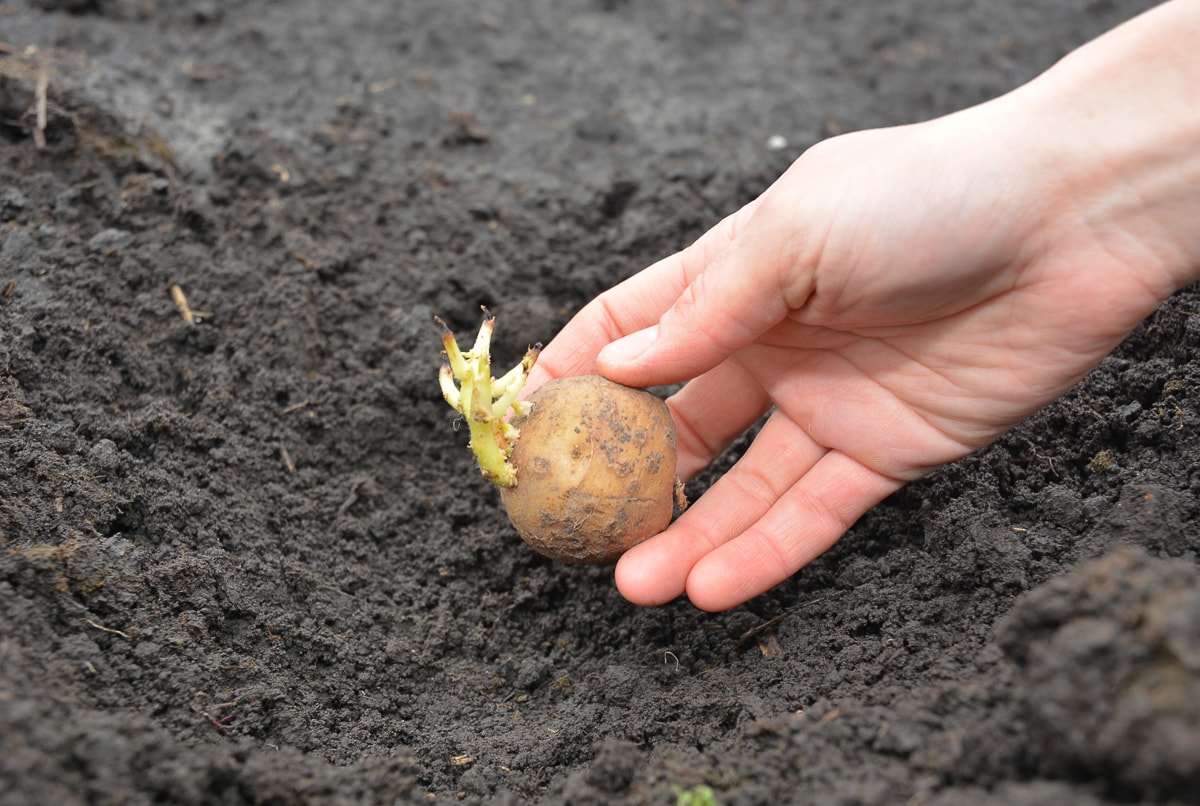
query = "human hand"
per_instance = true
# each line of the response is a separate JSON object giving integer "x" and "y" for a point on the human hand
{"x": 901, "y": 297}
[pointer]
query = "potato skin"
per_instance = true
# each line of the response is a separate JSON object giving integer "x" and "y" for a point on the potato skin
{"x": 595, "y": 469}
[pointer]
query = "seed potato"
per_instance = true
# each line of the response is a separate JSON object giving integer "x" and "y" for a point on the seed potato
{"x": 595, "y": 466}
{"x": 585, "y": 466}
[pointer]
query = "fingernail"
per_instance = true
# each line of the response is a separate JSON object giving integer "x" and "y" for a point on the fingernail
{"x": 628, "y": 349}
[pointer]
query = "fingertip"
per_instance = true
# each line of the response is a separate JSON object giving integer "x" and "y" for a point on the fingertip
{"x": 628, "y": 349}
{"x": 646, "y": 576}
{"x": 630, "y": 360}
{"x": 713, "y": 585}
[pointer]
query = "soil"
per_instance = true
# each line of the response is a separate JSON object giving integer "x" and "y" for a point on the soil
{"x": 247, "y": 559}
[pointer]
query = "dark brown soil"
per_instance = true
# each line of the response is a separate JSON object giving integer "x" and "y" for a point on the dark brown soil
{"x": 248, "y": 560}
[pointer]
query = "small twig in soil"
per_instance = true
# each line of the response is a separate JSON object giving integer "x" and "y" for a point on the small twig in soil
{"x": 224, "y": 723}
{"x": 181, "y": 303}
{"x": 221, "y": 722}
{"x": 753, "y": 633}
{"x": 769, "y": 646}
{"x": 102, "y": 628}
{"x": 39, "y": 96}
{"x": 829, "y": 717}
{"x": 308, "y": 262}
{"x": 376, "y": 87}
{"x": 352, "y": 498}
{"x": 288, "y": 464}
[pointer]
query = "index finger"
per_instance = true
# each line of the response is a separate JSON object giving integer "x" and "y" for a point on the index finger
{"x": 629, "y": 306}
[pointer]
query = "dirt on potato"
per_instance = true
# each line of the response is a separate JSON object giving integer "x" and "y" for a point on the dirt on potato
{"x": 244, "y": 558}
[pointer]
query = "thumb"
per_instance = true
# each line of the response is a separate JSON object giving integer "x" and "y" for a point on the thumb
{"x": 742, "y": 282}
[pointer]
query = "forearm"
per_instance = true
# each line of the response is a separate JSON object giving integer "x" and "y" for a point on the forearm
{"x": 1115, "y": 129}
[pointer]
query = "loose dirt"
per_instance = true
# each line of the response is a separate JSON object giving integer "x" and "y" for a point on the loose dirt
{"x": 247, "y": 559}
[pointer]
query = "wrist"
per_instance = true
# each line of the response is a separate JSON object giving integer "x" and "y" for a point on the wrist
{"x": 1113, "y": 134}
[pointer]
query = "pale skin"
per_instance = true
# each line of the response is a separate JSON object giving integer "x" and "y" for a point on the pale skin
{"x": 902, "y": 297}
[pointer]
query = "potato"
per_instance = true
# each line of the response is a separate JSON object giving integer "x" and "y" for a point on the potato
{"x": 595, "y": 466}
{"x": 585, "y": 466}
